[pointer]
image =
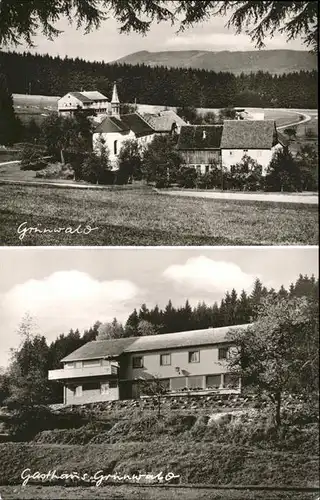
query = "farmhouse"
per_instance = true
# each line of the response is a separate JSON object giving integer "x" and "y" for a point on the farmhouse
{"x": 258, "y": 139}
{"x": 110, "y": 369}
{"x": 199, "y": 146}
{"x": 164, "y": 122}
{"x": 92, "y": 100}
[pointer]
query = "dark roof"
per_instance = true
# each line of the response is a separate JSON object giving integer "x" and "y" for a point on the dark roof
{"x": 125, "y": 123}
{"x": 200, "y": 137}
{"x": 163, "y": 120}
{"x": 249, "y": 134}
{"x": 98, "y": 349}
{"x": 115, "y": 347}
{"x": 80, "y": 96}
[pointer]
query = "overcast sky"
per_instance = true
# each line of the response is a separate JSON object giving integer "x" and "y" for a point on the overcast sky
{"x": 65, "y": 288}
{"x": 107, "y": 44}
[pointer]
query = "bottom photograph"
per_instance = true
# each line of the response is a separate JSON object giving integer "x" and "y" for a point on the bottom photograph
{"x": 159, "y": 373}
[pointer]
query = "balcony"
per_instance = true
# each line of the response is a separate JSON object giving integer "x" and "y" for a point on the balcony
{"x": 73, "y": 373}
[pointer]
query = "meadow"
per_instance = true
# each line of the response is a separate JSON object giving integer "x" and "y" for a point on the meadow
{"x": 143, "y": 217}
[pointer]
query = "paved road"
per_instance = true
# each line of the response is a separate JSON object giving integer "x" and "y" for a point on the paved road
{"x": 301, "y": 198}
{"x": 306, "y": 118}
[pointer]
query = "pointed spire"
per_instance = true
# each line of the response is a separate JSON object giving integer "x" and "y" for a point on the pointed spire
{"x": 115, "y": 103}
{"x": 115, "y": 98}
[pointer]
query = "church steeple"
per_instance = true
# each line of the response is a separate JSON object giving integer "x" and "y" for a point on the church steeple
{"x": 115, "y": 103}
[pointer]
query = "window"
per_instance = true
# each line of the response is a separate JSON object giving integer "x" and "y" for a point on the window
{"x": 194, "y": 356}
{"x": 198, "y": 169}
{"x": 91, "y": 362}
{"x": 230, "y": 153}
{"x": 195, "y": 383}
{"x": 207, "y": 168}
{"x": 91, "y": 386}
{"x": 69, "y": 365}
{"x": 223, "y": 352}
{"x": 165, "y": 359}
{"x": 115, "y": 147}
{"x": 213, "y": 381}
{"x": 137, "y": 362}
{"x": 104, "y": 388}
{"x": 245, "y": 150}
{"x": 179, "y": 383}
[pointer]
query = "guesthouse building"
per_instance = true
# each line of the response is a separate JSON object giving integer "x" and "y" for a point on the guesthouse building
{"x": 193, "y": 361}
{"x": 199, "y": 146}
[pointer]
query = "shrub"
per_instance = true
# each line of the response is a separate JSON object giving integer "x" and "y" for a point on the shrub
{"x": 56, "y": 171}
{"x": 187, "y": 177}
{"x": 247, "y": 175}
{"x": 96, "y": 169}
{"x": 32, "y": 159}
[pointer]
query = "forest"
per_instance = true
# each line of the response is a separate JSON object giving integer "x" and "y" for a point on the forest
{"x": 54, "y": 76}
{"x": 233, "y": 309}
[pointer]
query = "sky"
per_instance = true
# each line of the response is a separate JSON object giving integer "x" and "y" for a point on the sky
{"x": 107, "y": 44}
{"x": 64, "y": 288}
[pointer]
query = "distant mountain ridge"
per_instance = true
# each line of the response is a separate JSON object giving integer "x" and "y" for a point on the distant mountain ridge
{"x": 272, "y": 61}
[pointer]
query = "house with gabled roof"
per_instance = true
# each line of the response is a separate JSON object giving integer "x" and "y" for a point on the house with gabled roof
{"x": 85, "y": 100}
{"x": 193, "y": 361}
{"x": 199, "y": 146}
{"x": 258, "y": 139}
{"x": 164, "y": 122}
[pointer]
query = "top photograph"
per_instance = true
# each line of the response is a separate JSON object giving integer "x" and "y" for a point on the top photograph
{"x": 158, "y": 123}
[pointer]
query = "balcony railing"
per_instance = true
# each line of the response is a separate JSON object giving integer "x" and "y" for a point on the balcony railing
{"x": 93, "y": 371}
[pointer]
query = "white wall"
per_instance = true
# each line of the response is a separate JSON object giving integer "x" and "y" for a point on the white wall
{"x": 262, "y": 156}
{"x": 120, "y": 137}
{"x": 91, "y": 396}
{"x": 69, "y": 102}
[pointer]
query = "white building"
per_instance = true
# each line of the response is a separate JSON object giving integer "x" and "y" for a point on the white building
{"x": 258, "y": 139}
{"x": 92, "y": 100}
{"x": 116, "y": 129}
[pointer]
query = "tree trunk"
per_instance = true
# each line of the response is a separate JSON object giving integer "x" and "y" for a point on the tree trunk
{"x": 278, "y": 408}
{"x": 62, "y": 156}
{"x": 159, "y": 406}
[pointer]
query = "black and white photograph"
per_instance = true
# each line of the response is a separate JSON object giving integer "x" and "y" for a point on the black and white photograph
{"x": 147, "y": 122}
{"x": 159, "y": 259}
{"x": 159, "y": 373}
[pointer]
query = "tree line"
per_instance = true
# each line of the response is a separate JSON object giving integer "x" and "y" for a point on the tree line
{"x": 54, "y": 76}
{"x": 26, "y": 379}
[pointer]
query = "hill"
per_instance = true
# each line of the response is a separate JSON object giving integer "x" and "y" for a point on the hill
{"x": 273, "y": 61}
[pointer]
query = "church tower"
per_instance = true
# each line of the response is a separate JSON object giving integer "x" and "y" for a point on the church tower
{"x": 115, "y": 103}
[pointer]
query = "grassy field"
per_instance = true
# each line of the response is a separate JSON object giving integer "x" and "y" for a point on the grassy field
{"x": 135, "y": 493}
{"x": 142, "y": 217}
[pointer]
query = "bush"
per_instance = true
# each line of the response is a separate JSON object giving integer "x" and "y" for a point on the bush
{"x": 32, "y": 159}
{"x": 56, "y": 171}
{"x": 96, "y": 170}
{"x": 247, "y": 175}
{"x": 187, "y": 177}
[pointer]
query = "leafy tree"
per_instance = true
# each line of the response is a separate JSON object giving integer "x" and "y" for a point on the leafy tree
{"x": 161, "y": 161}
{"x": 129, "y": 162}
{"x": 283, "y": 173}
{"x": 247, "y": 175}
{"x": 279, "y": 353}
{"x": 21, "y": 21}
{"x": 146, "y": 328}
{"x": 227, "y": 114}
{"x": 189, "y": 114}
{"x": 308, "y": 160}
{"x": 113, "y": 330}
{"x": 154, "y": 387}
{"x": 291, "y": 133}
{"x": 96, "y": 169}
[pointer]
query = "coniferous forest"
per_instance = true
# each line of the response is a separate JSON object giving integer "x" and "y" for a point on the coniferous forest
{"x": 54, "y": 76}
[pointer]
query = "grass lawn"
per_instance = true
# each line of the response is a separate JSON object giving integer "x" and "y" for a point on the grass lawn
{"x": 142, "y": 217}
{"x": 135, "y": 493}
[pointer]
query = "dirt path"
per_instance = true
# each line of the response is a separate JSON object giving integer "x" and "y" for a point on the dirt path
{"x": 299, "y": 198}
